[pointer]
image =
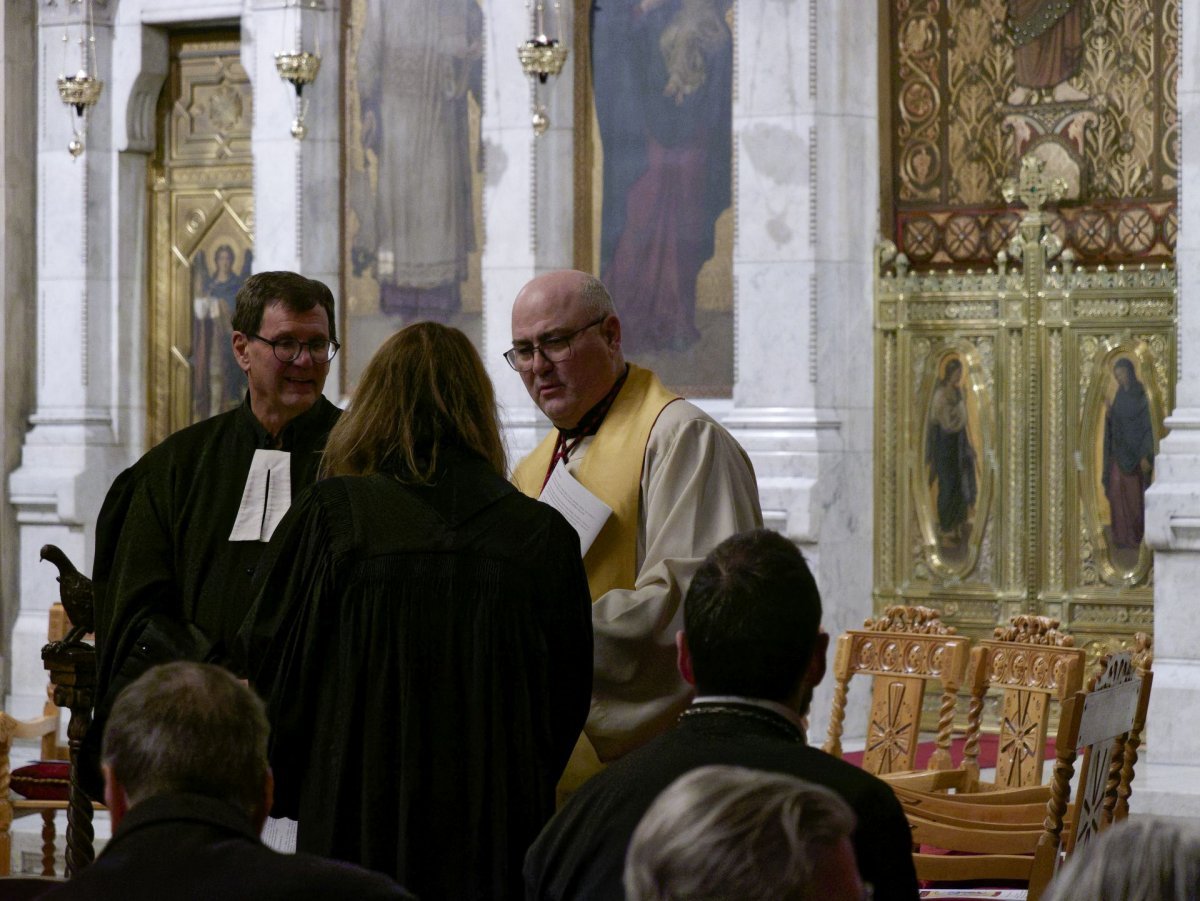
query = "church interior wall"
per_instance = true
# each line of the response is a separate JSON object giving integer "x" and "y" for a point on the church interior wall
{"x": 804, "y": 128}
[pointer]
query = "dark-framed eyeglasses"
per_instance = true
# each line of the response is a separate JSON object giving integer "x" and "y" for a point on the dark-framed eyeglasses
{"x": 556, "y": 350}
{"x": 287, "y": 350}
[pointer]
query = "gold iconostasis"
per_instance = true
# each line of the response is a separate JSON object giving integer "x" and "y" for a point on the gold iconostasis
{"x": 1025, "y": 338}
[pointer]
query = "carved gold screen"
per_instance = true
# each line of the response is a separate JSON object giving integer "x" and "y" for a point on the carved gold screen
{"x": 201, "y": 225}
{"x": 1018, "y": 414}
{"x": 974, "y": 85}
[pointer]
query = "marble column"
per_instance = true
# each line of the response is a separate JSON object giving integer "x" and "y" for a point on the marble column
{"x": 528, "y": 200}
{"x": 18, "y": 150}
{"x": 56, "y": 491}
{"x": 1171, "y": 784}
{"x": 806, "y": 142}
{"x": 297, "y": 183}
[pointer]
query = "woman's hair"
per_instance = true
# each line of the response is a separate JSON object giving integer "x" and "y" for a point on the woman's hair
{"x": 1150, "y": 859}
{"x": 424, "y": 390}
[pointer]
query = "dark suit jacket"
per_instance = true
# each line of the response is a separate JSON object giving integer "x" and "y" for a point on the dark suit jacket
{"x": 186, "y": 847}
{"x": 581, "y": 852}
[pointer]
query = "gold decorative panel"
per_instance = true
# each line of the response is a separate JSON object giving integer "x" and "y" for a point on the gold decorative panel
{"x": 977, "y": 84}
{"x": 1019, "y": 412}
{"x": 202, "y": 231}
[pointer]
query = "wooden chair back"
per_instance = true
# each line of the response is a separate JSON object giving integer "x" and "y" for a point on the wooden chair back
{"x": 902, "y": 651}
{"x": 1001, "y": 834}
{"x": 1033, "y": 663}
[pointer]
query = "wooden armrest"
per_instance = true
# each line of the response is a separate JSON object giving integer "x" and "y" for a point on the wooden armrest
{"x": 960, "y": 808}
{"x": 975, "y": 838}
{"x": 36, "y": 728}
{"x": 929, "y": 780}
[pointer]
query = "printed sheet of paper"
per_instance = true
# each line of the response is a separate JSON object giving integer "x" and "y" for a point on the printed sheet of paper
{"x": 266, "y": 497}
{"x": 582, "y": 509}
{"x": 280, "y": 835}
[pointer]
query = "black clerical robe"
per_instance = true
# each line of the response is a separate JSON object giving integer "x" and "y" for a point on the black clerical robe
{"x": 162, "y": 539}
{"x": 580, "y": 855}
{"x": 426, "y": 655}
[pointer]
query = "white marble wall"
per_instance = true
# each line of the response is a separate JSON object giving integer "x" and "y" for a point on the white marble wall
{"x": 18, "y": 27}
{"x": 806, "y": 143}
{"x": 1173, "y": 502}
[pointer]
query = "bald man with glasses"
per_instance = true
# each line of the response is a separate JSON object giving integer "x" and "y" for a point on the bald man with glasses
{"x": 181, "y": 530}
{"x": 677, "y": 482}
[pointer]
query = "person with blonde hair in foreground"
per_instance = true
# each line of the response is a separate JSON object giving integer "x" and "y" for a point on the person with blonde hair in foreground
{"x": 422, "y": 634}
{"x": 726, "y": 832}
{"x": 1150, "y": 859}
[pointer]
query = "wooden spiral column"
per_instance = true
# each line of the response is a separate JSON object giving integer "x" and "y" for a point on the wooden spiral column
{"x": 72, "y": 670}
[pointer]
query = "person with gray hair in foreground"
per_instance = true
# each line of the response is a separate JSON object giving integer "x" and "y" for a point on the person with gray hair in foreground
{"x": 188, "y": 787}
{"x": 732, "y": 832}
{"x": 1150, "y": 859}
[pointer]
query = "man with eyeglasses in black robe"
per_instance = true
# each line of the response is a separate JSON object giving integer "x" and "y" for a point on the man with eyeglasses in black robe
{"x": 181, "y": 531}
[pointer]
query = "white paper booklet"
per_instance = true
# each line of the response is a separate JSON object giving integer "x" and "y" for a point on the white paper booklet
{"x": 582, "y": 509}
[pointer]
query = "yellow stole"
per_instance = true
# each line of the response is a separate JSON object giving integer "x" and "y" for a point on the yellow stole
{"x": 611, "y": 470}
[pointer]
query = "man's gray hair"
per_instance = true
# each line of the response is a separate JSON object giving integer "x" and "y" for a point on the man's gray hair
{"x": 189, "y": 727}
{"x": 732, "y": 832}
{"x": 596, "y": 300}
{"x": 1150, "y": 859}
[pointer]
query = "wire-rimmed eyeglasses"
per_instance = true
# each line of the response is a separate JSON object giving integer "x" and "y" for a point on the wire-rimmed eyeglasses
{"x": 287, "y": 350}
{"x": 555, "y": 350}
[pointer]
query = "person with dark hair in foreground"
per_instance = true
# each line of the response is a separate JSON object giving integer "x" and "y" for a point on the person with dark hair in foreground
{"x": 752, "y": 646}
{"x": 422, "y": 635}
{"x": 730, "y": 832}
{"x": 188, "y": 787}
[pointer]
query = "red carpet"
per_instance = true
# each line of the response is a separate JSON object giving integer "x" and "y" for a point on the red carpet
{"x": 987, "y": 752}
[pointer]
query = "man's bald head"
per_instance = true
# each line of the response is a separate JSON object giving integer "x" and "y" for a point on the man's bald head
{"x": 567, "y": 304}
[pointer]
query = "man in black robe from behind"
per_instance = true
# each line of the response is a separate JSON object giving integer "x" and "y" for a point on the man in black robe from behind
{"x": 181, "y": 531}
{"x": 751, "y": 645}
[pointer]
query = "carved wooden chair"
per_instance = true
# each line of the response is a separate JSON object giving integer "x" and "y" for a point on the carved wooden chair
{"x": 51, "y": 793}
{"x": 54, "y": 784}
{"x": 1033, "y": 664}
{"x": 993, "y": 840}
{"x": 902, "y": 651}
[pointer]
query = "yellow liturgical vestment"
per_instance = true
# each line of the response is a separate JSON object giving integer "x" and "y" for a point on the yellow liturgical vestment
{"x": 679, "y": 484}
{"x": 612, "y": 470}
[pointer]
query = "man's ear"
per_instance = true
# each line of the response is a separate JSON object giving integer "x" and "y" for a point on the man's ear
{"x": 684, "y": 658}
{"x": 612, "y": 331}
{"x": 816, "y": 663}
{"x": 115, "y": 798}
{"x": 241, "y": 351}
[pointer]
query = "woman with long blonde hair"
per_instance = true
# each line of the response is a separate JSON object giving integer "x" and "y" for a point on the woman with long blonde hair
{"x": 422, "y": 635}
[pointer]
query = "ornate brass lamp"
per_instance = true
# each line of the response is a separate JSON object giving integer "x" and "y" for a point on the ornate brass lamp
{"x": 299, "y": 67}
{"x": 81, "y": 90}
{"x": 541, "y": 57}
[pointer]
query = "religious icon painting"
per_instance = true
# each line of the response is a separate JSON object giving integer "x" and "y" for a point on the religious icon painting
{"x": 661, "y": 189}
{"x": 1122, "y": 428}
{"x": 219, "y": 266}
{"x": 413, "y": 189}
{"x": 951, "y": 481}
